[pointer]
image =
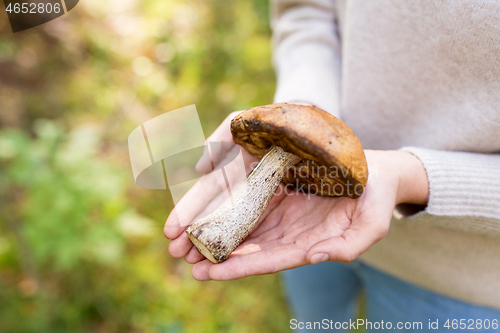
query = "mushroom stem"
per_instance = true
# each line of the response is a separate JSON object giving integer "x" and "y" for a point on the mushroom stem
{"x": 219, "y": 233}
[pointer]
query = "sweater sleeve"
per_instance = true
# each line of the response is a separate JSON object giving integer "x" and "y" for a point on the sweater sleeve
{"x": 307, "y": 52}
{"x": 465, "y": 187}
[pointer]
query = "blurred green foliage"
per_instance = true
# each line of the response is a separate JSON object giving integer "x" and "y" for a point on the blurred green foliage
{"x": 81, "y": 246}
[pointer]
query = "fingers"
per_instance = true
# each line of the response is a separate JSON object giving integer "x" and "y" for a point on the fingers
{"x": 217, "y": 151}
{"x": 345, "y": 248}
{"x": 172, "y": 228}
{"x": 201, "y": 194}
{"x": 193, "y": 203}
{"x": 223, "y": 153}
{"x": 214, "y": 154}
{"x": 223, "y": 132}
{"x": 180, "y": 246}
{"x": 255, "y": 263}
{"x": 371, "y": 220}
{"x": 258, "y": 263}
{"x": 206, "y": 194}
{"x": 193, "y": 256}
{"x": 201, "y": 269}
{"x": 204, "y": 164}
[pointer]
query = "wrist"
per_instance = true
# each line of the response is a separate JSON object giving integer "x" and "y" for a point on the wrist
{"x": 402, "y": 172}
{"x": 413, "y": 185}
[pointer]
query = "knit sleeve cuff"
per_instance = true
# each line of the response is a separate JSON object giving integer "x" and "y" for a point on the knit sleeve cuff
{"x": 460, "y": 184}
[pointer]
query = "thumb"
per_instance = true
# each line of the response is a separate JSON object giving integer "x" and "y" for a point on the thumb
{"x": 344, "y": 248}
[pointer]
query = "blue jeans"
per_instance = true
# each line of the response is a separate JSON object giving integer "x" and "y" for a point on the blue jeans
{"x": 325, "y": 297}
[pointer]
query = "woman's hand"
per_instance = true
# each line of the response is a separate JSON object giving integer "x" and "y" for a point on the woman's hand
{"x": 299, "y": 229}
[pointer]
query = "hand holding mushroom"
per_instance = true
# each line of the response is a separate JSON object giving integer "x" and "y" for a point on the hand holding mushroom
{"x": 296, "y": 228}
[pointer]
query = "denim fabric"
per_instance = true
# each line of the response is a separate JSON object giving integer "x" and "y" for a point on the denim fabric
{"x": 331, "y": 291}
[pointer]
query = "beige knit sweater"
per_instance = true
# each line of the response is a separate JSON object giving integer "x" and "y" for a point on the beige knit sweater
{"x": 423, "y": 76}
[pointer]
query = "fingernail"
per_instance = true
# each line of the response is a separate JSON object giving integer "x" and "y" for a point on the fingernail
{"x": 319, "y": 257}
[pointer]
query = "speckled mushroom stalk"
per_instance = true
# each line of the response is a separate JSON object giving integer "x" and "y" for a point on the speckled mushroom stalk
{"x": 217, "y": 235}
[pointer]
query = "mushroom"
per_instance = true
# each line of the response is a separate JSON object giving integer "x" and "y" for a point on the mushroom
{"x": 302, "y": 146}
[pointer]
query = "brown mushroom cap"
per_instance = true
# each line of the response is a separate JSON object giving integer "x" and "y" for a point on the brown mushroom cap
{"x": 333, "y": 161}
